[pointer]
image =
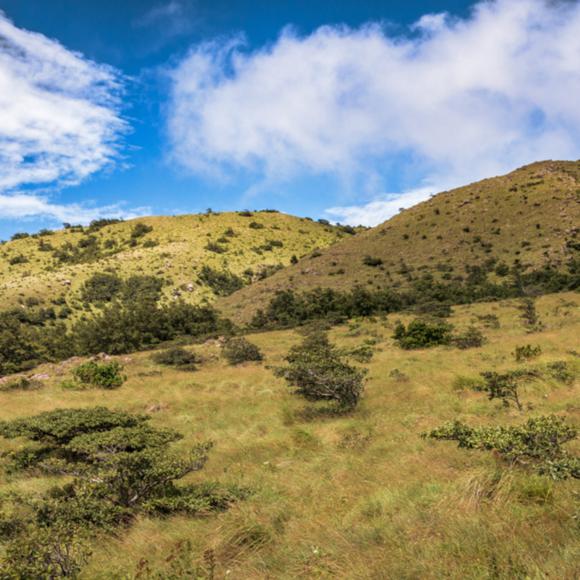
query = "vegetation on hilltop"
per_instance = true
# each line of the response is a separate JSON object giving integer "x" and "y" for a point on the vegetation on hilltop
{"x": 181, "y": 250}
{"x": 508, "y": 226}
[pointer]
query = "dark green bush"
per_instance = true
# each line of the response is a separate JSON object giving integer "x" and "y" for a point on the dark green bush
{"x": 177, "y": 357}
{"x": 216, "y": 248}
{"x": 140, "y": 229}
{"x": 256, "y": 225}
{"x": 101, "y": 287}
{"x": 222, "y": 283}
{"x": 104, "y": 375}
{"x": 536, "y": 444}
{"x": 117, "y": 467}
{"x": 421, "y": 333}
{"x": 317, "y": 371}
{"x": 503, "y": 386}
{"x": 239, "y": 350}
{"x": 561, "y": 371}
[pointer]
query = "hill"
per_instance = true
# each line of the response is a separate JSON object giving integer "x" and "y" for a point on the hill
{"x": 239, "y": 248}
{"x": 528, "y": 218}
{"x": 355, "y": 496}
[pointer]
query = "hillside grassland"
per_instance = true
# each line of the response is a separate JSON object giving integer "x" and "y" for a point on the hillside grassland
{"x": 56, "y": 264}
{"x": 529, "y": 217}
{"x": 360, "y": 495}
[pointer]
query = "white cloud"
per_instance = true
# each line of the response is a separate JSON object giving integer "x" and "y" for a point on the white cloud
{"x": 457, "y": 100}
{"x": 19, "y": 206}
{"x": 378, "y": 211}
{"x": 59, "y": 120}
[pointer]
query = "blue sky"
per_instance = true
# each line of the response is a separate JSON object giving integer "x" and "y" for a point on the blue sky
{"x": 339, "y": 109}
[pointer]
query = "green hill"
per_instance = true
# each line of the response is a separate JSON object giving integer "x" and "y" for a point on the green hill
{"x": 54, "y": 265}
{"x": 529, "y": 218}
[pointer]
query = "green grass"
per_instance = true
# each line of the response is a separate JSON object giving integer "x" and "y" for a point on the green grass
{"x": 528, "y": 215}
{"x": 179, "y": 256}
{"x": 357, "y": 496}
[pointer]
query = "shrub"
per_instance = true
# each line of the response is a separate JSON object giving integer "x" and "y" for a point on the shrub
{"x": 239, "y": 350}
{"x": 216, "y": 248}
{"x": 526, "y": 352}
{"x": 536, "y": 444}
{"x": 101, "y": 287}
{"x": 316, "y": 371}
{"x": 118, "y": 467}
{"x": 373, "y": 262}
{"x": 139, "y": 230}
{"x": 471, "y": 337}
{"x": 561, "y": 371}
{"x": 222, "y": 283}
{"x": 399, "y": 376}
{"x": 177, "y": 357}
{"x": 105, "y": 375}
{"x": 256, "y": 226}
{"x": 422, "y": 333}
{"x": 18, "y": 259}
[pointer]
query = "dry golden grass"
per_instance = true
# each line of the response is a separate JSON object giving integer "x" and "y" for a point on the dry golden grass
{"x": 359, "y": 496}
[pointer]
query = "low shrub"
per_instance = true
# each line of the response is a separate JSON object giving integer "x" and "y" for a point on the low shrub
{"x": 372, "y": 262}
{"x": 104, "y": 375}
{"x": 239, "y": 350}
{"x": 177, "y": 357}
{"x": 422, "y": 333}
{"x": 538, "y": 443}
{"x": 526, "y": 352}
{"x": 561, "y": 371}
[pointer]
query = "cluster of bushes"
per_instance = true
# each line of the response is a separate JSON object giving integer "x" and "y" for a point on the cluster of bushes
{"x": 288, "y": 308}
{"x": 117, "y": 467}
{"x": 133, "y": 320}
{"x": 425, "y": 333}
{"x": 537, "y": 444}
{"x": 317, "y": 371}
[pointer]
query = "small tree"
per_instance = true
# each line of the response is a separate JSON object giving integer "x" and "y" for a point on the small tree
{"x": 239, "y": 350}
{"x": 316, "y": 371}
{"x": 502, "y": 386}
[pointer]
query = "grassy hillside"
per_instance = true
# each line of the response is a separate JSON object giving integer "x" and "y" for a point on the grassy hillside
{"x": 357, "y": 496}
{"x": 55, "y": 264}
{"x": 530, "y": 216}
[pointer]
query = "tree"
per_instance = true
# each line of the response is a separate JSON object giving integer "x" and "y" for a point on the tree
{"x": 421, "y": 333}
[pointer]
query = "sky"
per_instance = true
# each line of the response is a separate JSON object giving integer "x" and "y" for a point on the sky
{"x": 339, "y": 109}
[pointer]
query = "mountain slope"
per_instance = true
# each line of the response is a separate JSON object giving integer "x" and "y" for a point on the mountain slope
{"x": 530, "y": 215}
{"x": 51, "y": 265}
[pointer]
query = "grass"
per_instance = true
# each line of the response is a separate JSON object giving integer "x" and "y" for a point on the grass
{"x": 528, "y": 215}
{"x": 355, "y": 496}
{"x": 178, "y": 256}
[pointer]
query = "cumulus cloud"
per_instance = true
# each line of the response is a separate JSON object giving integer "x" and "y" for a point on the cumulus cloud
{"x": 60, "y": 120}
{"x": 455, "y": 99}
{"x": 18, "y": 206}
